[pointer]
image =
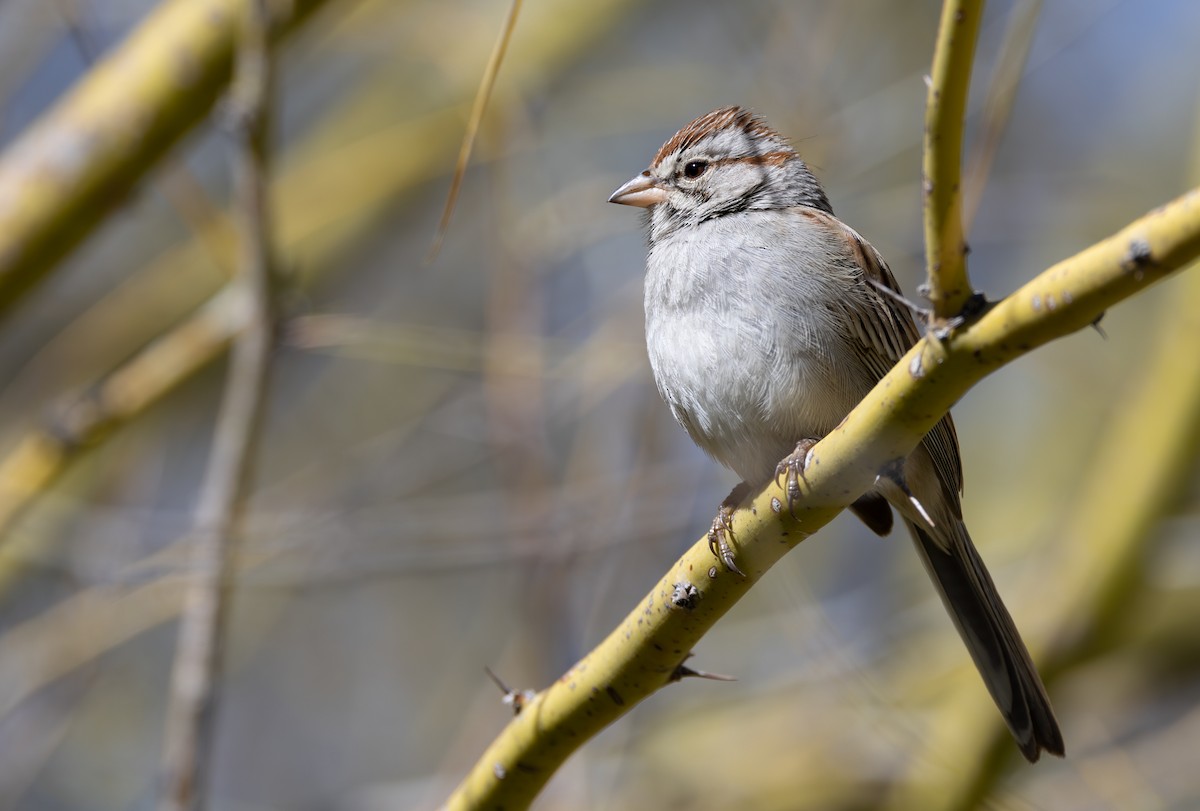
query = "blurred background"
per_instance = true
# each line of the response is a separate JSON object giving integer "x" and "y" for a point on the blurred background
{"x": 464, "y": 463}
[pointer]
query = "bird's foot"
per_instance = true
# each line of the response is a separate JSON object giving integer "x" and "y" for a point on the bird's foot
{"x": 791, "y": 471}
{"x": 721, "y": 532}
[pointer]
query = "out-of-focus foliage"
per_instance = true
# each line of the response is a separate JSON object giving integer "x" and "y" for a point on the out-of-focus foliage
{"x": 466, "y": 464}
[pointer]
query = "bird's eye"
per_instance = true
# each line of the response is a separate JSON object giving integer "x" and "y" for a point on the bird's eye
{"x": 694, "y": 169}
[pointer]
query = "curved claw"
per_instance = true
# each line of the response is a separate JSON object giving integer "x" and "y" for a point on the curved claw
{"x": 791, "y": 469}
{"x": 718, "y": 535}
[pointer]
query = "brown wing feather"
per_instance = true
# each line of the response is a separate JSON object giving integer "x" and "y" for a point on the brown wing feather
{"x": 887, "y": 332}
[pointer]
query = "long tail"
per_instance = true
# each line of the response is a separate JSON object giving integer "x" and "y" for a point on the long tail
{"x": 991, "y": 637}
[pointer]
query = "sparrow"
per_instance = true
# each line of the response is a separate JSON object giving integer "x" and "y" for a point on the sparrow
{"x": 767, "y": 320}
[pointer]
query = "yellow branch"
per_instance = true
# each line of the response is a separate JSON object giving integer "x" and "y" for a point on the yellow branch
{"x": 945, "y": 247}
{"x": 1138, "y": 472}
{"x": 643, "y": 653}
{"x": 86, "y": 154}
{"x": 1146, "y": 452}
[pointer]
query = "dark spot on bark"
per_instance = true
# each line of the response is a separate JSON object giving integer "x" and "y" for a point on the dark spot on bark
{"x": 1138, "y": 257}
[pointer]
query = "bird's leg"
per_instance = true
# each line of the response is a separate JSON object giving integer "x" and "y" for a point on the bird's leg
{"x": 791, "y": 470}
{"x": 721, "y": 531}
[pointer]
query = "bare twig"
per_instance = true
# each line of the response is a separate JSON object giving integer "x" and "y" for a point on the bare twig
{"x": 1002, "y": 92}
{"x": 482, "y": 96}
{"x": 947, "y": 285}
{"x": 190, "y": 714}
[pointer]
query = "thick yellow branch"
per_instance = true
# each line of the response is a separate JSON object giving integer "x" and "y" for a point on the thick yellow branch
{"x": 1139, "y": 470}
{"x": 643, "y": 653}
{"x": 86, "y": 154}
{"x": 945, "y": 107}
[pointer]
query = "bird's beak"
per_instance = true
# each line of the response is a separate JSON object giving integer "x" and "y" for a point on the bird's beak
{"x": 643, "y": 191}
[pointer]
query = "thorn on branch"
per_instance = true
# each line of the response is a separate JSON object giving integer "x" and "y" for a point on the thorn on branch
{"x": 682, "y": 672}
{"x": 517, "y": 699}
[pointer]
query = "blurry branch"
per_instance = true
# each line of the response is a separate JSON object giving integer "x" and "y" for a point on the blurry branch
{"x": 947, "y": 286}
{"x": 482, "y": 95}
{"x": 191, "y": 710}
{"x": 1002, "y": 92}
{"x": 88, "y": 152}
{"x": 314, "y": 548}
{"x": 179, "y": 186}
{"x": 40, "y": 457}
{"x": 44, "y": 454}
{"x": 94, "y": 621}
{"x": 1138, "y": 473}
{"x": 355, "y": 182}
{"x": 601, "y": 360}
{"x": 646, "y": 651}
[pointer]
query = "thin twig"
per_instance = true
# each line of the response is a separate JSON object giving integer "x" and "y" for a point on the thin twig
{"x": 482, "y": 96}
{"x": 193, "y": 700}
{"x": 1002, "y": 92}
{"x": 947, "y": 286}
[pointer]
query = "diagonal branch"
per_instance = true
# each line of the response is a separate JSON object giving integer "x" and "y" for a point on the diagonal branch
{"x": 644, "y": 653}
{"x": 1142, "y": 465}
{"x": 91, "y": 149}
{"x": 947, "y": 286}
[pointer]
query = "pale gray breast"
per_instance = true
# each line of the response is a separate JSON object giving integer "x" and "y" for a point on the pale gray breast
{"x": 744, "y": 348}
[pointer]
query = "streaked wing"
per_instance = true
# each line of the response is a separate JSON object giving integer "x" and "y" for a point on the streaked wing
{"x": 887, "y": 332}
